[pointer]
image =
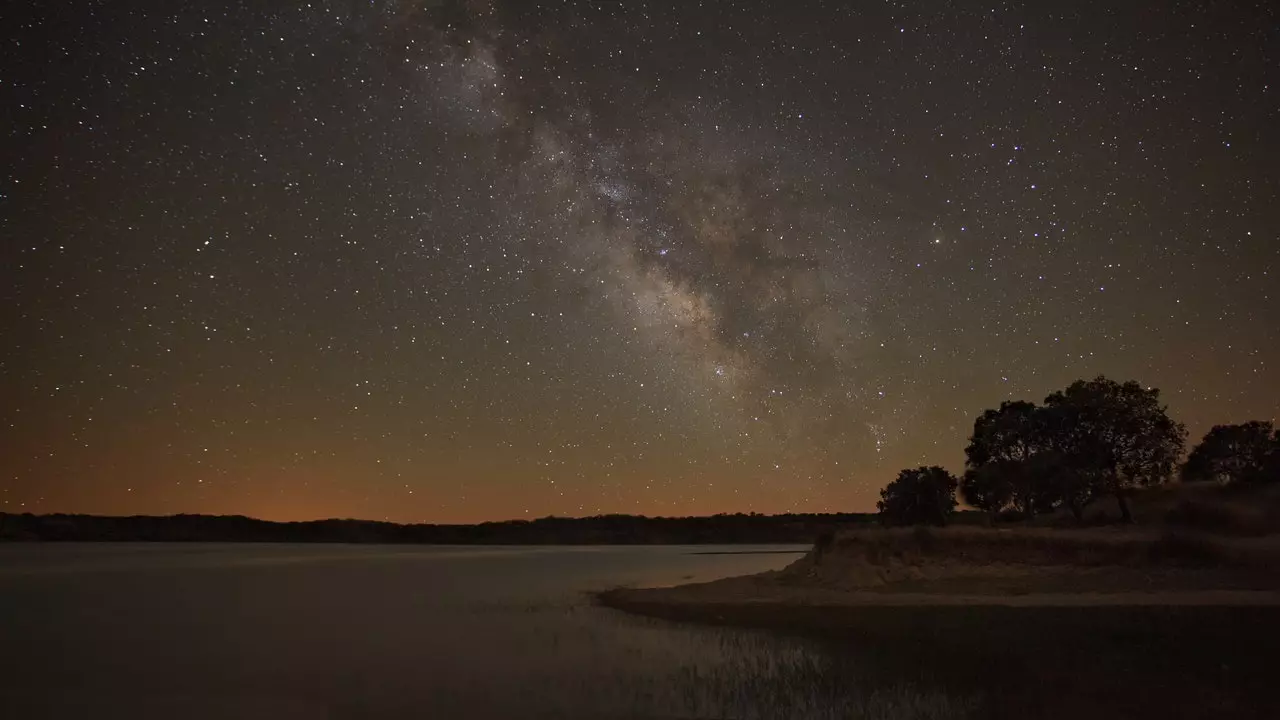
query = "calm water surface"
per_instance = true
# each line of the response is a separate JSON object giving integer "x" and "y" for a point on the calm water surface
{"x": 329, "y": 631}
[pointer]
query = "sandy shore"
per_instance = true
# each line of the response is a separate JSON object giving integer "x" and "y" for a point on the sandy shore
{"x": 967, "y": 568}
{"x": 762, "y": 591}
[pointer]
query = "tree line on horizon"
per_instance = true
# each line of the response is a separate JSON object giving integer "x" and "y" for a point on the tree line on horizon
{"x": 1094, "y": 439}
{"x": 601, "y": 529}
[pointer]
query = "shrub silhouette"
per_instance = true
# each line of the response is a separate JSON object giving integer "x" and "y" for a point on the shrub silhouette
{"x": 1249, "y": 452}
{"x": 924, "y": 496}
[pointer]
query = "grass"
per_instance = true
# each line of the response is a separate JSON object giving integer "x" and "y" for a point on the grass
{"x": 1046, "y": 547}
{"x": 654, "y": 670}
{"x": 1016, "y": 662}
{"x": 1241, "y": 510}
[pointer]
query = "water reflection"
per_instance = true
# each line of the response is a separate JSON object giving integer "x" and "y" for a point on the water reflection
{"x": 348, "y": 631}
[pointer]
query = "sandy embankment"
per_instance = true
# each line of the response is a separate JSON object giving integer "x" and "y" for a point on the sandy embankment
{"x": 975, "y": 567}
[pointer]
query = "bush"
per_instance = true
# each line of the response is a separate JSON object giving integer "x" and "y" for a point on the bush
{"x": 926, "y": 495}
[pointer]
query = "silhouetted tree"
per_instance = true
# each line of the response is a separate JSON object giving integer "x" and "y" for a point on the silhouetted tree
{"x": 1002, "y": 460}
{"x": 987, "y": 488}
{"x": 1072, "y": 484}
{"x": 1235, "y": 453}
{"x": 1064, "y": 465}
{"x": 1271, "y": 466}
{"x": 926, "y": 495}
{"x": 1115, "y": 437}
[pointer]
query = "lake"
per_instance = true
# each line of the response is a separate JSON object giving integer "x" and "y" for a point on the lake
{"x": 338, "y": 631}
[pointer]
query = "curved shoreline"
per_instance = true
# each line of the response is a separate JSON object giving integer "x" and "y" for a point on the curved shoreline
{"x": 960, "y": 620}
{"x": 881, "y": 573}
{"x": 623, "y": 598}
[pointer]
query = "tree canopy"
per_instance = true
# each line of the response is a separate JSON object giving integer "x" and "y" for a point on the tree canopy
{"x": 1249, "y": 452}
{"x": 1004, "y": 456}
{"x": 1093, "y": 438}
{"x": 1118, "y": 435}
{"x": 923, "y": 496}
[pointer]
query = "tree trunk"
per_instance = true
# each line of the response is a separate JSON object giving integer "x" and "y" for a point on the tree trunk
{"x": 1077, "y": 512}
{"x": 1125, "y": 515}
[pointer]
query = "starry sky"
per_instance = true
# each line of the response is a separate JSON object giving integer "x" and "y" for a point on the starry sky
{"x": 441, "y": 261}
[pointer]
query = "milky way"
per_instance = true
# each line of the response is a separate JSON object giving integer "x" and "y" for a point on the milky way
{"x": 459, "y": 261}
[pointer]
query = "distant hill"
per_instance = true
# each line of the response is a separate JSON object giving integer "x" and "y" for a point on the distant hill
{"x": 598, "y": 530}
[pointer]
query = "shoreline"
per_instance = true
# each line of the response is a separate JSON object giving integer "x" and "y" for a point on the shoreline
{"x": 749, "y": 552}
{"x": 744, "y": 602}
{"x": 879, "y": 573}
{"x": 958, "y": 619}
{"x": 657, "y": 598}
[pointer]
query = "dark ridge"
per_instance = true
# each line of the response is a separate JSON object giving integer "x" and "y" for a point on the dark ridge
{"x": 598, "y": 530}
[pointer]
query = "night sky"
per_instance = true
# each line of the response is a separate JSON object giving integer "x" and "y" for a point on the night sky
{"x": 448, "y": 262}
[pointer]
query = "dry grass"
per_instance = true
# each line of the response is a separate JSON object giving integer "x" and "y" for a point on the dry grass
{"x": 1241, "y": 511}
{"x": 1238, "y": 510}
{"x": 1029, "y": 560}
{"x": 1087, "y": 547}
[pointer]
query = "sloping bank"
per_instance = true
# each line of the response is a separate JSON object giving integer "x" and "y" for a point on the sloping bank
{"x": 880, "y": 580}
